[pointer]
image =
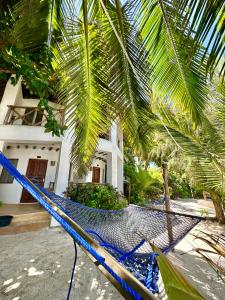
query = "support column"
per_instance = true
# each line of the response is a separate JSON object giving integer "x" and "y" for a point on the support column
{"x": 114, "y": 134}
{"x": 112, "y": 169}
{"x": 9, "y": 98}
{"x": 63, "y": 171}
{"x": 120, "y": 175}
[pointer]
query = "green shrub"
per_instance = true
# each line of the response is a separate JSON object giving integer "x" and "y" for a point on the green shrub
{"x": 96, "y": 196}
{"x": 197, "y": 192}
{"x": 145, "y": 184}
{"x": 179, "y": 188}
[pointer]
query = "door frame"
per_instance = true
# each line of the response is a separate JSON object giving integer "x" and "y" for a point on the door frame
{"x": 96, "y": 168}
{"x": 27, "y": 175}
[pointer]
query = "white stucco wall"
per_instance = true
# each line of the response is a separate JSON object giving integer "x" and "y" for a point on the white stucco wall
{"x": 120, "y": 175}
{"x": 11, "y": 94}
{"x": 11, "y": 193}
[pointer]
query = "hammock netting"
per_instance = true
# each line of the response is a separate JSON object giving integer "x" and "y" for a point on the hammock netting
{"x": 127, "y": 234}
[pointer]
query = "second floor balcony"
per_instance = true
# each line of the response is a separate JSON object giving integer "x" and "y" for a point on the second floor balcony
{"x": 30, "y": 116}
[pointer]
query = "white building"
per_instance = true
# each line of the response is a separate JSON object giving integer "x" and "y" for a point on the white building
{"x": 39, "y": 155}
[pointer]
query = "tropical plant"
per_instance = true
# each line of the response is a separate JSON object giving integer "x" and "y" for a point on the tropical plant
{"x": 142, "y": 184}
{"x": 118, "y": 60}
{"x": 25, "y": 53}
{"x": 176, "y": 285}
{"x": 161, "y": 150}
{"x": 204, "y": 147}
{"x": 179, "y": 188}
{"x": 113, "y": 58}
{"x": 96, "y": 196}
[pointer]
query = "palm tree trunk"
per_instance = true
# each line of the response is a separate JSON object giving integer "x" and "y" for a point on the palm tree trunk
{"x": 166, "y": 198}
{"x": 218, "y": 207}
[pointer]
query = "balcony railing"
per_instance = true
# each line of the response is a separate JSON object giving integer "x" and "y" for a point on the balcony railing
{"x": 30, "y": 116}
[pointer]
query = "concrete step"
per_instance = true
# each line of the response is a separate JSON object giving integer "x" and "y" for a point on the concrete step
{"x": 21, "y": 227}
{"x": 30, "y": 217}
{"x": 26, "y": 217}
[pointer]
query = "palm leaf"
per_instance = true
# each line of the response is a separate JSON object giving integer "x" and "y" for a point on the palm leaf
{"x": 84, "y": 89}
{"x": 129, "y": 73}
{"x": 103, "y": 86}
{"x": 175, "y": 60}
{"x": 203, "y": 145}
{"x": 176, "y": 285}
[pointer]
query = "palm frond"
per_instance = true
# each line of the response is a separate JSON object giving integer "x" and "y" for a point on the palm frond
{"x": 203, "y": 145}
{"x": 177, "y": 76}
{"x": 99, "y": 85}
{"x": 84, "y": 87}
{"x": 212, "y": 250}
{"x": 129, "y": 75}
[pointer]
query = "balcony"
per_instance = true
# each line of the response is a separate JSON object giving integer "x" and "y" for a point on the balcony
{"x": 30, "y": 116}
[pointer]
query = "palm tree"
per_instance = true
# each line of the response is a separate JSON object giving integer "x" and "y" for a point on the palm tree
{"x": 205, "y": 148}
{"x": 114, "y": 58}
{"x": 117, "y": 59}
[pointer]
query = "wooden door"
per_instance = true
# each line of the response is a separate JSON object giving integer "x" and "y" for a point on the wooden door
{"x": 96, "y": 174}
{"x": 36, "y": 171}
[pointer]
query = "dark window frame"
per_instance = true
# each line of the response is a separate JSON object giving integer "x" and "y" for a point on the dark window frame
{"x": 5, "y": 177}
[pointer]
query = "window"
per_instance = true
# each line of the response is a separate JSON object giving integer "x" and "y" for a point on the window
{"x": 5, "y": 177}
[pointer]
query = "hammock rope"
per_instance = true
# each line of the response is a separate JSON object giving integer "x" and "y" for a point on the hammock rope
{"x": 120, "y": 241}
{"x": 73, "y": 271}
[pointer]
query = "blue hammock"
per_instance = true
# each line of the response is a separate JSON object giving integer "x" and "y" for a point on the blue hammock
{"x": 119, "y": 242}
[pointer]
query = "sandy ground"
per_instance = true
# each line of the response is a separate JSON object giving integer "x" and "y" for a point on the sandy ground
{"x": 37, "y": 265}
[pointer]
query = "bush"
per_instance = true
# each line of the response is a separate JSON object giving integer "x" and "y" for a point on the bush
{"x": 96, "y": 196}
{"x": 145, "y": 184}
{"x": 197, "y": 192}
{"x": 179, "y": 188}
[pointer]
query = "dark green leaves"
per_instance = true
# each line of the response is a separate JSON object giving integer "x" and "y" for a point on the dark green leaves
{"x": 31, "y": 24}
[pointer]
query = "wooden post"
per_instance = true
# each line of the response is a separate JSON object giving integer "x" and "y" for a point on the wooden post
{"x": 217, "y": 202}
{"x": 166, "y": 199}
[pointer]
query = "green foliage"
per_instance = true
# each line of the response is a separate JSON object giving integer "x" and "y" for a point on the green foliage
{"x": 197, "y": 191}
{"x": 96, "y": 196}
{"x": 179, "y": 188}
{"x": 106, "y": 82}
{"x": 17, "y": 58}
{"x": 176, "y": 285}
{"x": 176, "y": 68}
{"x": 30, "y": 16}
{"x": 144, "y": 184}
